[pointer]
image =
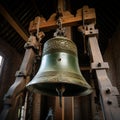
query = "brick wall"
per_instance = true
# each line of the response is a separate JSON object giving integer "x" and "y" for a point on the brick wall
{"x": 12, "y": 61}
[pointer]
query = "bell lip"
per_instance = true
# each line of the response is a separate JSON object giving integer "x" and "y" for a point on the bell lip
{"x": 84, "y": 93}
{"x": 56, "y": 81}
{"x": 61, "y": 82}
{"x": 88, "y": 90}
{"x": 86, "y": 85}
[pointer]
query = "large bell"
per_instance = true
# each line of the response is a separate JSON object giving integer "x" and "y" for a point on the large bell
{"x": 59, "y": 71}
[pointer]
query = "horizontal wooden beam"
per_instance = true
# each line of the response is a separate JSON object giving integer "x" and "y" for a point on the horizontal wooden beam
{"x": 67, "y": 19}
{"x": 13, "y": 23}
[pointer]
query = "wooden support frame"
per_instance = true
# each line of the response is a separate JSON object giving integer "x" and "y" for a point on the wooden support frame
{"x": 22, "y": 76}
{"x": 67, "y": 19}
{"x": 108, "y": 93}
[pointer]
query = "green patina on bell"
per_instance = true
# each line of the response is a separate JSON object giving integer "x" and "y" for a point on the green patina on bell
{"x": 59, "y": 71}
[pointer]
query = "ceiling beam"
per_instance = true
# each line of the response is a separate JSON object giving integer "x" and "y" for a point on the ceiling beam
{"x": 13, "y": 23}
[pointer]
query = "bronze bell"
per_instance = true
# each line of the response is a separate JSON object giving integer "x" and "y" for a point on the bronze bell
{"x": 59, "y": 72}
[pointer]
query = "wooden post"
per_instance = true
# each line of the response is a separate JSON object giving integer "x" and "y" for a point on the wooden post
{"x": 59, "y": 112}
{"x": 36, "y": 106}
{"x": 22, "y": 77}
{"x": 108, "y": 98}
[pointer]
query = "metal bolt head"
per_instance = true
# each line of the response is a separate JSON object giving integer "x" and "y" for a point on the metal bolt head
{"x": 99, "y": 64}
{"x": 109, "y": 102}
{"x": 108, "y": 91}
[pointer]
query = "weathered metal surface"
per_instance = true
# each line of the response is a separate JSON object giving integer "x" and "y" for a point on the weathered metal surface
{"x": 59, "y": 68}
{"x": 60, "y": 44}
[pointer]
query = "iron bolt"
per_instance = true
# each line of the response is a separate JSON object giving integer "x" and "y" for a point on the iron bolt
{"x": 109, "y": 102}
{"x": 108, "y": 91}
{"x": 99, "y": 64}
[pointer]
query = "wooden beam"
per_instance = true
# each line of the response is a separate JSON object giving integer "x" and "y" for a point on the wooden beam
{"x": 59, "y": 112}
{"x": 13, "y": 23}
{"x": 67, "y": 20}
{"x": 22, "y": 78}
{"x": 108, "y": 93}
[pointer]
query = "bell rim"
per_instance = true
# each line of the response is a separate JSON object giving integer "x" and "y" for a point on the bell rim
{"x": 32, "y": 86}
{"x": 59, "y": 77}
{"x": 85, "y": 91}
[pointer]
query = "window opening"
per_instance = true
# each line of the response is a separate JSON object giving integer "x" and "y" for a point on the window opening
{"x": 0, "y": 60}
{"x": 1, "y": 63}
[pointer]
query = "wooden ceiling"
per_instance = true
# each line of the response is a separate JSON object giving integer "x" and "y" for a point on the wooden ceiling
{"x": 16, "y": 15}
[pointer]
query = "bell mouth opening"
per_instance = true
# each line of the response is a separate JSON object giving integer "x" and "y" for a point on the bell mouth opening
{"x": 52, "y": 89}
